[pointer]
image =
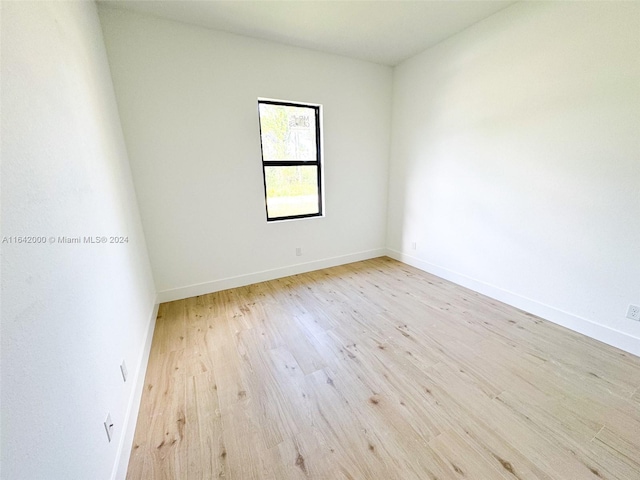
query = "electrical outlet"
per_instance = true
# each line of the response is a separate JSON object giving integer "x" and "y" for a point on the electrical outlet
{"x": 108, "y": 426}
{"x": 413, "y": 245}
{"x": 634, "y": 312}
{"x": 124, "y": 371}
{"x": 298, "y": 251}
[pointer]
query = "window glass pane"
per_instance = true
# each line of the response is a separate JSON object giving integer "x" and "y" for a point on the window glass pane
{"x": 291, "y": 190}
{"x": 288, "y": 133}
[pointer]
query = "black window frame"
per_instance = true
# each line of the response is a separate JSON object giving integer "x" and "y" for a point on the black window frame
{"x": 293, "y": 163}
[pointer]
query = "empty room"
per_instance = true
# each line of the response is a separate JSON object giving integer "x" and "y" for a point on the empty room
{"x": 394, "y": 240}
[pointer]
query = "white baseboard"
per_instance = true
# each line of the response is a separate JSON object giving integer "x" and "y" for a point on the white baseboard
{"x": 129, "y": 426}
{"x": 605, "y": 334}
{"x": 263, "y": 276}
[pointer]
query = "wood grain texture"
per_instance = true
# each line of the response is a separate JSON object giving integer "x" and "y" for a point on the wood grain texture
{"x": 376, "y": 370}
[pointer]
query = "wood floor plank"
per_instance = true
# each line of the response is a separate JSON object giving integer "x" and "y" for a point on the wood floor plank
{"x": 464, "y": 461}
{"x": 377, "y": 370}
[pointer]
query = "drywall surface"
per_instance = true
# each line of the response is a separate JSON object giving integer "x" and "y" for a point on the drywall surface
{"x": 71, "y": 312}
{"x": 515, "y": 162}
{"x": 188, "y": 104}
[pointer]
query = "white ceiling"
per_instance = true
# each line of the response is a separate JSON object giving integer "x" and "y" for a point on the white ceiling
{"x": 385, "y": 32}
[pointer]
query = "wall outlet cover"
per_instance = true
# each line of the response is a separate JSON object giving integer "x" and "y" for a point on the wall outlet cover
{"x": 108, "y": 426}
{"x": 633, "y": 312}
{"x": 124, "y": 371}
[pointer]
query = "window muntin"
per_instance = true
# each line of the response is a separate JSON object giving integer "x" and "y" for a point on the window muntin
{"x": 290, "y": 140}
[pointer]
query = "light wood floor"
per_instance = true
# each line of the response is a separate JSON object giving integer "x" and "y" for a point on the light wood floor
{"x": 376, "y": 370}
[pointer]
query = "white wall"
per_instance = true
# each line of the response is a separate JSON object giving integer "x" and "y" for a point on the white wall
{"x": 515, "y": 162}
{"x": 70, "y": 313}
{"x": 188, "y": 104}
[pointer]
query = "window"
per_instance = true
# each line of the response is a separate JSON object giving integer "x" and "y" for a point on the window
{"x": 290, "y": 138}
